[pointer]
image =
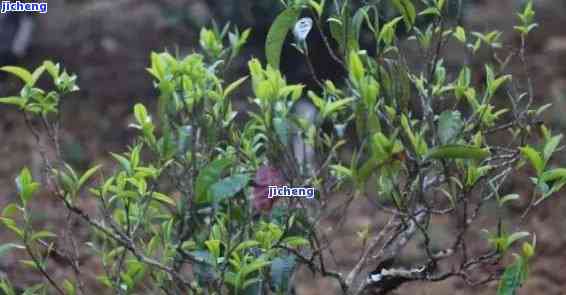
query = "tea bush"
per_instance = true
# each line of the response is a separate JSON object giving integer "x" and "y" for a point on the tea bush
{"x": 185, "y": 210}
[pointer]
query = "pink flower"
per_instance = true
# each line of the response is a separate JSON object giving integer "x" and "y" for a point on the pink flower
{"x": 266, "y": 176}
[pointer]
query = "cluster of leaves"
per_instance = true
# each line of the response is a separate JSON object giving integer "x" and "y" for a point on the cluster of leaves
{"x": 179, "y": 196}
{"x": 144, "y": 235}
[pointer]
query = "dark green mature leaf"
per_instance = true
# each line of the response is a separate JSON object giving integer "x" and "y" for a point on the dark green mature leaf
{"x": 283, "y": 129}
{"x": 204, "y": 270}
{"x": 281, "y": 270}
{"x": 449, "y": 126}
{"x": 554, "y": 174}
{"x": 229, "y": 187}
{"x": 208, "y": 176}
{"x": 337, "y": 32}
{"x": 355, "y": 28}
{"x": 277, "y": 33}
{"x": 252, "y": 287}
{"x": 456, "y": 151}
{"x": 5, "y": 248}
{"x": 513, "y": 277}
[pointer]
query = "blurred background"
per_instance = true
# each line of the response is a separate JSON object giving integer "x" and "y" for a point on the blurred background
{"x": 107, "y": 44}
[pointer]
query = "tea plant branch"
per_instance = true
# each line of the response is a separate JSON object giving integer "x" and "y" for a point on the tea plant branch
{"x": 39, "y": 265}
{"x": 54, "y": 137}
{"x": 367, "y": 253}
{"x": 74, "y": 252}
{"x": 526, "y": 70}
{"x": 125, "y": 242}
{"x": 328, "y": 46}
{"x": 312, "y": 70}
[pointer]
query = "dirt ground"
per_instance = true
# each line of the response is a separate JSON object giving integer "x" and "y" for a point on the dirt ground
{"x": 107, "y": 43}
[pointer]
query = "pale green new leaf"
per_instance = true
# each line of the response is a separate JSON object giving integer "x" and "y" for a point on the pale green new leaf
{"x": 19, "y": 72}
{"x": 534, "y": 157}
{"x": 508, "y": 198}
{"x": 26, "y": 186}
{"x": 407, "y": 10}
{"x": 234, "y": 85}
{"x": 42, "y": 235}
{"x": 13, "y": 100}
{"x": 515, "y": 237}
{"x": 87, "y": 175}
{"x": 335, "y": 106}
{"x": 255, "y": 265}
{"x": 164, "y": 198}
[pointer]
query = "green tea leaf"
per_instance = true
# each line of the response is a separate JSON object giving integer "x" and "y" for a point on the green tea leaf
{"x": 87, "y": 175}
{"x": 69, "y": 287}
{"x": 508, "y": 198}
{"x": 14, "y": 100}
{"x": 449, "y": 126}
{"x": 550, "y": 146}
{"x": 515, "y": 237}
{"x": 336, "y": 106}
{"x": 140, "y": 112}
{"x": 42, "y": 235}
{"x": 246, "y": 245}
{"x": 460, "y": 34}
{"x": 513, "y": 277}
{"x": 553, "y": 175}
{"x": 337, "y": 32}
{"x": 454, "y": 151}
{"x": 355, "y": 28}
{"x": 281, "y": 270}
{"x": 255, "y": 265}
{"x": 534, "y": 157}
{"x": 234, "y": 85}
{"x": 356, "y": 68}
{"x": 209, "y": 176}
{"x": 164, "y": 198}
{"x": 26, "y": 185}
{"x": 19, "y": 72}
{"x": 407, "y": 10}
{"x": 229, "y": 187}
{"x": 277, "y": 33}
{"x": 5, "y": 248}
{"x": 283, "y": 129}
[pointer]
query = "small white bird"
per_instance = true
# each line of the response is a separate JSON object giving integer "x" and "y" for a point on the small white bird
{"x": 302, "y": 29}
